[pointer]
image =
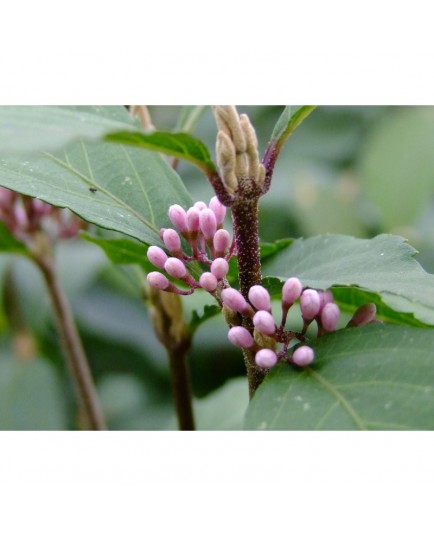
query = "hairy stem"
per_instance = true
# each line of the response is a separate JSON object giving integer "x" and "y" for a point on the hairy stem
{"x": 72, "y": 346}
{"x": 246, "y": 235}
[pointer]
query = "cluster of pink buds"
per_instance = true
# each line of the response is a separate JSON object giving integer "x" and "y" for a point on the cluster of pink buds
{"x": 24, "y": 216}
{"x": 315, "y": 306}
{"x": 202, "y": 228}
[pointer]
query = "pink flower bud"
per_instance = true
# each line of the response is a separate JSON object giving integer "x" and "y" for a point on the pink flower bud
{"x": 40, "y": 208}
{"x": 325, "y": 296}
{"x": 260, "y": 298}
{"x": 240, "y": 337}
{"x": 158, "y": 280}
{"x": 218, "y": 209}
{"x": 264, "y": 322}
{"x": 172, "y": 241}
{"x": 208, "y": 281}
{"x": 309, "y": 304}
{"x": 221, "y": 241}
{"x": 291, "y": 291}
{"x": 364, "y": 314}
{"x": 193, "y": 219}
{"x": 157, "y": 256}
{"x": 178, "y": 217}
{"x": 208, "y": 223}
{"x": 176, "y": 268}
{"x": 20, "y": 215}
{"x": 6, "y": 197}
{"x": 265, "y": 358}
{"x": 200, "y": 205}
{"x": 219, "y": 268}
{"x": 330, "y": 316}
{"x": 234, "y": 300}
{"x": 303, "y": 356}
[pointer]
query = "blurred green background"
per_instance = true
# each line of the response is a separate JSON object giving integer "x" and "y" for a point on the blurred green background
{"x": 358, "y": 170}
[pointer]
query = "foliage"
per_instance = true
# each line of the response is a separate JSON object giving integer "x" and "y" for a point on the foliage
{"x": 363, "y": 171}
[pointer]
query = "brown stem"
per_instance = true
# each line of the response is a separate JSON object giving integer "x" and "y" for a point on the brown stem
{"x": 181, "y": 386}
{"x": 246, "y": 235}
{"x": 72, "y": 346}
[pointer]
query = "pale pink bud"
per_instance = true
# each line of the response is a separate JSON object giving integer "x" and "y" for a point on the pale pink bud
{"x": 200, "y": 205}
{"x": 220, "y": 268}
{"x": 178, "y": 217}
{"x": 208, "y": 223}
{"x": 325, "y": 296}
{"x": 176, "y": 268}
{"x": 265, "y": 358}
{"x": 309, "y": 304}
{"x": 221, "y": 241}
{"x": 20, "y": 215}
{"x": 193, "y": 219}
{"x": 172, "y": 241}
{"x": 330, "y": 316}
{"x": 208, "y": 281}
{"x": 291, "y": 291}
{"x": 234, "y": 300}
{"x": 6, "y": 197}
{"x": 264, "y": 322}
{"x": 156, "y": 256}
{"x": 40, "y": 208}
{"x": 158, "y": 280}
{"x": 218, "y": 209}
{"x": 240, "y": 337}
{"x": 303, "y": 356}
{"x": 364, "y": 314}
{"x": 260, "y": 298}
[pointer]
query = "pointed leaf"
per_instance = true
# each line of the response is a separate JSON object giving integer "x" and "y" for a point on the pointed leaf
{"x": 384, "y": 264}
{"x": 125, "y": 189}
{"x": 179, "y": 144}
{"x": 373, "y": 378}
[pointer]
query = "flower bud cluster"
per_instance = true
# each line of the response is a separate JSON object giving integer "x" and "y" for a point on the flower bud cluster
{"x": 24, "y": 216}
{"x": 315, "y": 306}
{"x": 201, "y": 227}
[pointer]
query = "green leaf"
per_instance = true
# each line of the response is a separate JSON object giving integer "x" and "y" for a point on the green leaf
{"x": 270, "y": 249}
{"x": 25, "y": 129}
{"x": 197, "y": 319}
{"x": 8, "y": 243}
{"x": 122, "y": 250}
{"x": 124, "y": 189}
{"x": 373, "y": 378}
{"x": 397, "y": 166}
{"x": 30, "y": 396}
{"x": 384, "y": 264}
{"x": 287, "y": 123}
{"x": 179, "y": 144}
{"x": 189, "y": 117}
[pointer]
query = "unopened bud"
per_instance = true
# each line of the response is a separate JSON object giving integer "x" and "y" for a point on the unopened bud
{"x": 158, "y": 280}
{"x": 330, "y": 315}
{"x": 218, "y": 209}
{"x": 309, "y": 304}
{"x": 325, "y": 296}
{"x": 193, "y": 219}
{"x": 219, "y": 268}
{"x": 221, "y": 242}
{"x": 303, "y": 356}
{"x": 260, "y": 298}
{"x": 364, "y": 314}
{"x": 291, "y": 291}
{"x": 156, "y": 256}
{"x": 208, "y": 281}
{"x": 172, "y": 241}
{"x": 200, "y": 205}
{"x": 240, "y": 337}
{"x": 265, "y": 358}
{"x": 235, "y": 300}
{"x": 264, "y": 322}
{"x": 178, "y": 217}
{"x": 176, "y": 268}
{"x": 208, "y": 223}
